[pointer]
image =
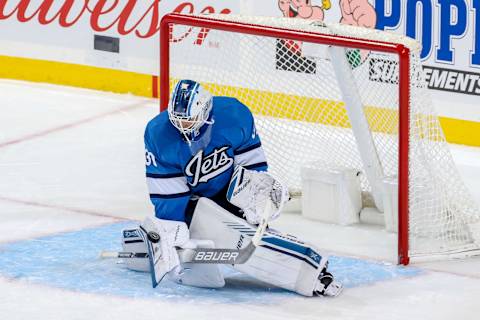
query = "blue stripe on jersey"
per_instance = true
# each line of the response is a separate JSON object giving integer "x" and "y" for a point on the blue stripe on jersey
{"x": 249, "y": 148}
{"x": 306, "y": 251}
{"x": 164, "y": 175}
{"x": 256, "y": 165}
{"x": 169, "y": 196}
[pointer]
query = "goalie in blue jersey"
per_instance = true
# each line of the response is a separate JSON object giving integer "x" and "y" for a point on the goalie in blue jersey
{"x": 208, "y": 181}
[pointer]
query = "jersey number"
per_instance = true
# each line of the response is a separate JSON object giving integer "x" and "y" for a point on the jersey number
{"x": 149, "y": 158}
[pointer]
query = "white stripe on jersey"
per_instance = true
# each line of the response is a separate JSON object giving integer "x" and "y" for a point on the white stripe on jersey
{"x": 251, "y": 157}
{"x": 167, "y": 186}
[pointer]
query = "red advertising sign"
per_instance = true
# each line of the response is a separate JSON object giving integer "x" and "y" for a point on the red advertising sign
{"x": 71, "y": 11}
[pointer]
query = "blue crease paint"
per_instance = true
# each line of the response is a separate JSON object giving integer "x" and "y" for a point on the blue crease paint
{"x": 71, "y": 261}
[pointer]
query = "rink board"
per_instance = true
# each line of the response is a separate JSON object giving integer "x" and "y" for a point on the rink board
{"x": 458, "y": 131}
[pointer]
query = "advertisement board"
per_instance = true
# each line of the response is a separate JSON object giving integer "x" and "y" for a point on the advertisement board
{"x": 65, "y": 31}
{"x": 449, "y": 31}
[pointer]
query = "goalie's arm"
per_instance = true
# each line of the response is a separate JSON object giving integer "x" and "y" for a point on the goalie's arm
{"x": 167, "y": 185}
{"x": 170, "y": 204}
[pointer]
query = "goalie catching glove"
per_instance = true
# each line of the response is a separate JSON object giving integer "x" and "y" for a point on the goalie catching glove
{"x": 250, "y": 190}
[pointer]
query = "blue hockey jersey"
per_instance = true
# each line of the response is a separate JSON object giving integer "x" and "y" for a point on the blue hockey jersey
{"x": 176, "y": 170}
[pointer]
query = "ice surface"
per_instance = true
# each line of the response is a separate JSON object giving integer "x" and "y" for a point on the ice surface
{"x": 71, "y": 173}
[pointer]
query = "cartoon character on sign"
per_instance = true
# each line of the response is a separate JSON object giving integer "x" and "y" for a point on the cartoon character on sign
{"x": 303, "y": 9}
{"x": 353, "y": 12}
{"x": 358, "y": 13}
{"x": 288, "y": 52}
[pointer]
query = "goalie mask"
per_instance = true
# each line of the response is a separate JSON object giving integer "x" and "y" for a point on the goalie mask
{"x": 189, "y": 108}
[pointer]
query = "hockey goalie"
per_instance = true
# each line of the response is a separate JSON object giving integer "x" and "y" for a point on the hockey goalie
{"x": 213, "y": 197}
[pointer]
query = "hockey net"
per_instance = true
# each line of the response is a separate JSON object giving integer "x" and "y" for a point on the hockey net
{"x": 333, "y": 95}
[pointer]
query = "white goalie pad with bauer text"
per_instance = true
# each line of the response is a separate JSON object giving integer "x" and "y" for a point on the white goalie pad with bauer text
{"x": 279, "y": 259}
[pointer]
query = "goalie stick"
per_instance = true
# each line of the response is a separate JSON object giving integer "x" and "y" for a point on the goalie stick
{"x": 198, "y": 255}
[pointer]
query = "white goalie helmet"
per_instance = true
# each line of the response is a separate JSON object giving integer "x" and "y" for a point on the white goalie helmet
{"x": 189, "y": 108}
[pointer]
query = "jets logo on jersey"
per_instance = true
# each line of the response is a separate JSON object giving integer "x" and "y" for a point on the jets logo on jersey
{"x": 203, "y": 168}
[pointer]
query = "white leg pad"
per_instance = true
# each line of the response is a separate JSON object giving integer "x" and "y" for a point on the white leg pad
{"x": 132, "y": 242}
{"x": 197, "y": 274}
{"x": 190, "y": 274}
{"x": 281, "y": 260}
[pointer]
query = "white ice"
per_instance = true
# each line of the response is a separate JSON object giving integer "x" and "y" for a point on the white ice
{"x": 73, "y": 158}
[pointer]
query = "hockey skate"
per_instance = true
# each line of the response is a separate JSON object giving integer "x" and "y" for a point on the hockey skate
{"x": 326, "y": 285}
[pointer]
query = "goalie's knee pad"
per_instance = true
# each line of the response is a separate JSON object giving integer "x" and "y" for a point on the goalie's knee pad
{"x": 132, "y": 242}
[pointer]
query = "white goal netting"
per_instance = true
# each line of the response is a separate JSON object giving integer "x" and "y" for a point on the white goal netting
{"x": 298, "y": 92}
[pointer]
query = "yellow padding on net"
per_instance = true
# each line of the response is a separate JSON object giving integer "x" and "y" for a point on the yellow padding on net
{"x": 314, "y": 110}
{"x": 329, "y": 112}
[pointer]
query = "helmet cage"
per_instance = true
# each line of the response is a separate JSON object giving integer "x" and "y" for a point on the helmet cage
{"x": 189, "y": 108}
{"x": 179, "y": 121}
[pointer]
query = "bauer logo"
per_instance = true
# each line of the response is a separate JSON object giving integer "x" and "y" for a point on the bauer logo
{"x": 214, "y": 256}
